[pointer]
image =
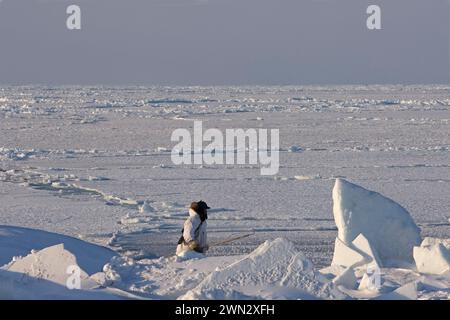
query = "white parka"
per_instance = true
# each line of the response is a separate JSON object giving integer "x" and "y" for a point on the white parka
{"x": 194, "y": 229}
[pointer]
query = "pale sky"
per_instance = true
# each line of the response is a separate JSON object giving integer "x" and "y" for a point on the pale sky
{"x": 224, "y": 42}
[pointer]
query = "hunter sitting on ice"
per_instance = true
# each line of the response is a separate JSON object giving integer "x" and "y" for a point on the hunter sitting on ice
{"x": 194, "y": 231}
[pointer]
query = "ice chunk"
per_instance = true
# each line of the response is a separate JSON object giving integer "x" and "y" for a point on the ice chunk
{"x": 405, "y": 292}
{"x": 363, "y": 245}
{"x": 346, "y": 256}
{"x": 332, "y": 271}
{"x": 370, "y": 282}
{"x": 386, "y": 225}
{"x": 347, "y": 279}
{"x": 101, "y": 279}
{"x": 432, "y": 257}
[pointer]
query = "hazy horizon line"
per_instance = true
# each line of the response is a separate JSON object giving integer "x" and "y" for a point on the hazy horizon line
{"x": 2, "y": 85}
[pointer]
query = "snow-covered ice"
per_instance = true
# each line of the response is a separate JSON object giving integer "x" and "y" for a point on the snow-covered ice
{"x": 45, "y": 273}
{"x": 19, "y": 242}
{"x": 274, "y": 267}
{"x": 92, "y": 165}
{"x": 50, "y": 264}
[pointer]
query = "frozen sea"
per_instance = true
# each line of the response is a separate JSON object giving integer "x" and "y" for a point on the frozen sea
{"x": 81, "y": 161}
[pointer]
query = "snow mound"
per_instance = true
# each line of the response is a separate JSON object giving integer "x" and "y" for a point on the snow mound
{"x": 433, "y": 256}
{"x": 20, "y": 286}
{"x": 273, "y": 267}
{"x": 215, "y": 294}
{"x": 52, "y": 264}
{"x": 387, "y": 226}
{"x": 189, "y": 255}
{"x": 52, "y": 273}
{"x": 16, "y": 241}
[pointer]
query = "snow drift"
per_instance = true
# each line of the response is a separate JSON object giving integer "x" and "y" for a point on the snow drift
{"x": 50, "y": 274}
{"x": 52, "y": 264}
{"x": 274, "y": 270}
{"x": 38, "y": 265}
{"x": 17, "y": 241}
{"x": 385, "y": 224}
{"x": 18, "y": 286}
{"x": 43, "y": 274}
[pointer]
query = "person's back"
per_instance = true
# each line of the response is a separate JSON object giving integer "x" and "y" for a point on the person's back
{"x": 194, "y": 237}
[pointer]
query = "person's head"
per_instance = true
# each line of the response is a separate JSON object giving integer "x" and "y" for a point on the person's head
{"x": 201, "y": 208}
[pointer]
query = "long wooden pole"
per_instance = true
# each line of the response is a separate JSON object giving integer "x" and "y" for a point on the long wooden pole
{"x": 230, "y": 240}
